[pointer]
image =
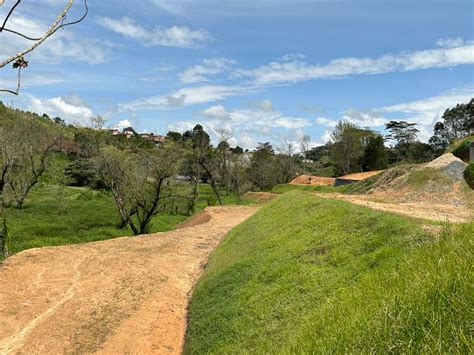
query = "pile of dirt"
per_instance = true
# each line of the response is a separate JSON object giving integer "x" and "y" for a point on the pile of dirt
{"x": 449, "y": 165}
{"x": 361, "y": 176}
{"x": 313, "y": 181}
{"x": 439, "y": 182}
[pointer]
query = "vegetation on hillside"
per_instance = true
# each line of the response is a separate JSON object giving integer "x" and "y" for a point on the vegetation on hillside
{"x": 310, "y": 275}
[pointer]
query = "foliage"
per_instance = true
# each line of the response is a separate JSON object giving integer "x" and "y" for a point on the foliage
{"x": 461, "y": 148}
{"x": 83, "y": 172}
{"x": 469, "y": 175}
{"x": 457, "y": 123}
{"x": 140, "y": 182}
{"x": 309, "y": 275}
{"x": 349, "y": 144}
{"x": 375, "y": 156}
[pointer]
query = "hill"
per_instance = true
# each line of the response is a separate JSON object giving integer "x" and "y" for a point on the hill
{"x": 309, "y": 275}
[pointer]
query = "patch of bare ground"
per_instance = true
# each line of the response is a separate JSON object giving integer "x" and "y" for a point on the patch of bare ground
{"x": 433, "y": 212}
{"x": 126, "y": 295}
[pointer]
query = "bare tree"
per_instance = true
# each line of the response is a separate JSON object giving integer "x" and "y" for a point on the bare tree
{"x": 35, "y": 145}
{"x": 8, "y": 156}
{"x": 305, "y": 143}
{"x": 18, "y": 59}
{"x": 141, "y": 182}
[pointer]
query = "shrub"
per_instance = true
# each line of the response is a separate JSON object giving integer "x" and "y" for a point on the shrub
{"x": 469, "y": 175}
{"x": 83, "y": 173}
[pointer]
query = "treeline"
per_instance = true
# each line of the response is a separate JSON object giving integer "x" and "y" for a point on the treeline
{"x": 354, "y": 149}
{"x": 146, "y": 179}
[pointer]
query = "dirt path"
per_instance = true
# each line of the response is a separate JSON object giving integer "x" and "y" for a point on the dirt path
{"x": 434, "y": 212}
{"x": 126, "y": 295}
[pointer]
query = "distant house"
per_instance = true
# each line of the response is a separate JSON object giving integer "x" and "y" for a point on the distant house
{"x": 114, "y": 131}
{"x": 129, "y": 132}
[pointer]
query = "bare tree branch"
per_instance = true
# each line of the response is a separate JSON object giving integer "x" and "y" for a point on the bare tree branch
{"x": 55, "y": 26}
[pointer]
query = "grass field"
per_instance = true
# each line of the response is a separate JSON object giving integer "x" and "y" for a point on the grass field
{"x": 310, "y": 275}
{"x": 55, "y": 215}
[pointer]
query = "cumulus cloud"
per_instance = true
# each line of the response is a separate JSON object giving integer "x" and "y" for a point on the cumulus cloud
{"x": 175, "y": 36}
{"x": 70, "y": 108}
{"x": 124, "y": 124}
{"x": 424, "y": 112}
{"x": 209, "y": 67}
{"x": 249, "y": 125}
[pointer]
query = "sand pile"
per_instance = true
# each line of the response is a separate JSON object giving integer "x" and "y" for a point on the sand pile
{"x": 449, "y": 165}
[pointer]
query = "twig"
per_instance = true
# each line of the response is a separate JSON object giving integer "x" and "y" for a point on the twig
{"x": 9, "y": 14}
{"x": 17, "y": 92}
{"x": 86, "y": 12}
{"x": 52, "y": 29}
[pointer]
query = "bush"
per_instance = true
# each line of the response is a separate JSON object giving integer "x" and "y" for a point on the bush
{"x": 83, "y": 173}
{"x": 469, "y": 175}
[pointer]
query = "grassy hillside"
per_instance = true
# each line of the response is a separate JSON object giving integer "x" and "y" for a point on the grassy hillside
{"x": 55, "y": 215}
{"x": 315, "y": 275}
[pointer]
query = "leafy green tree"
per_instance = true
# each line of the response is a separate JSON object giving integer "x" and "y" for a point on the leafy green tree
{"x": 457, "y": 123}
{"x": 403, "y": 133}
{"x": 174, "y": 136}
{"x": 348, "y": 146}
{"x": 375, "y": 155}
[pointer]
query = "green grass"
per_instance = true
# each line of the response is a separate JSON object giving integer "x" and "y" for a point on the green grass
{"x": 284, "y": 188}
{"x": 56, "y": 216}
{"x": 311, "y": 275}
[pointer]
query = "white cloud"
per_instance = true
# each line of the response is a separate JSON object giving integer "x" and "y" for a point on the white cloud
{"x": 187, "y": 96}
{"x": 250, "y": 125}
{"x": 175, "y": 36}
{"x": 292, "y": 122}
{"x": 425, "y": 113}
{"x": 428, "y": 111}
{"x": 284, "y": 71}
{"x": 70, "y": 108}
{"x": 324, "y": 121}
{"x": 200, "y": 72}
{"x": 124, "y": 124}
{"x": 450, "y": 42}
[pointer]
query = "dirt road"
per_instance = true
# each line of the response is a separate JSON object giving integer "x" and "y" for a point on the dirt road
{"x": 434, "y": 212}
{"x": 126, "y": 295}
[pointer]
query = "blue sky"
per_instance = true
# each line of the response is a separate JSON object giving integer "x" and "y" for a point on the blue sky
{"x": 259, "y": 70}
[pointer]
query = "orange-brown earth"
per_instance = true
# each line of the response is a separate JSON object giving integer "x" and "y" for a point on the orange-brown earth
{"x": 126, "y": 295}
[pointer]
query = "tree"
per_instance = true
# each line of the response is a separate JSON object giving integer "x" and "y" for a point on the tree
{"x": 18, "y": 59}
{"x": 35, "y": 146}
{"x": 141, "y": 182}
{"x": 203, "y": 160}
{"x": 264, "y": 170}
{"x": 348, "y": 146}
{"x": 375, "y": 155}
{"x": 403, "y": 133}
{"x": 287, "y": 162}
{"x": 305, "y": 143}
{"x": 457, "y": 123}
{"x": 174, "y": 136}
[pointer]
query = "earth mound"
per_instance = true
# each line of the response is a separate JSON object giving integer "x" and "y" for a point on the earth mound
{"x": 438, "y": 182}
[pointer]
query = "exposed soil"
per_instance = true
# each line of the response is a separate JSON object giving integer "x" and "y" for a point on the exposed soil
{"x": 313, "y": 180}
{"x": 434, "y": 212}
{"x": 362, "y": 176}
{"x": 126, "y": 295}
